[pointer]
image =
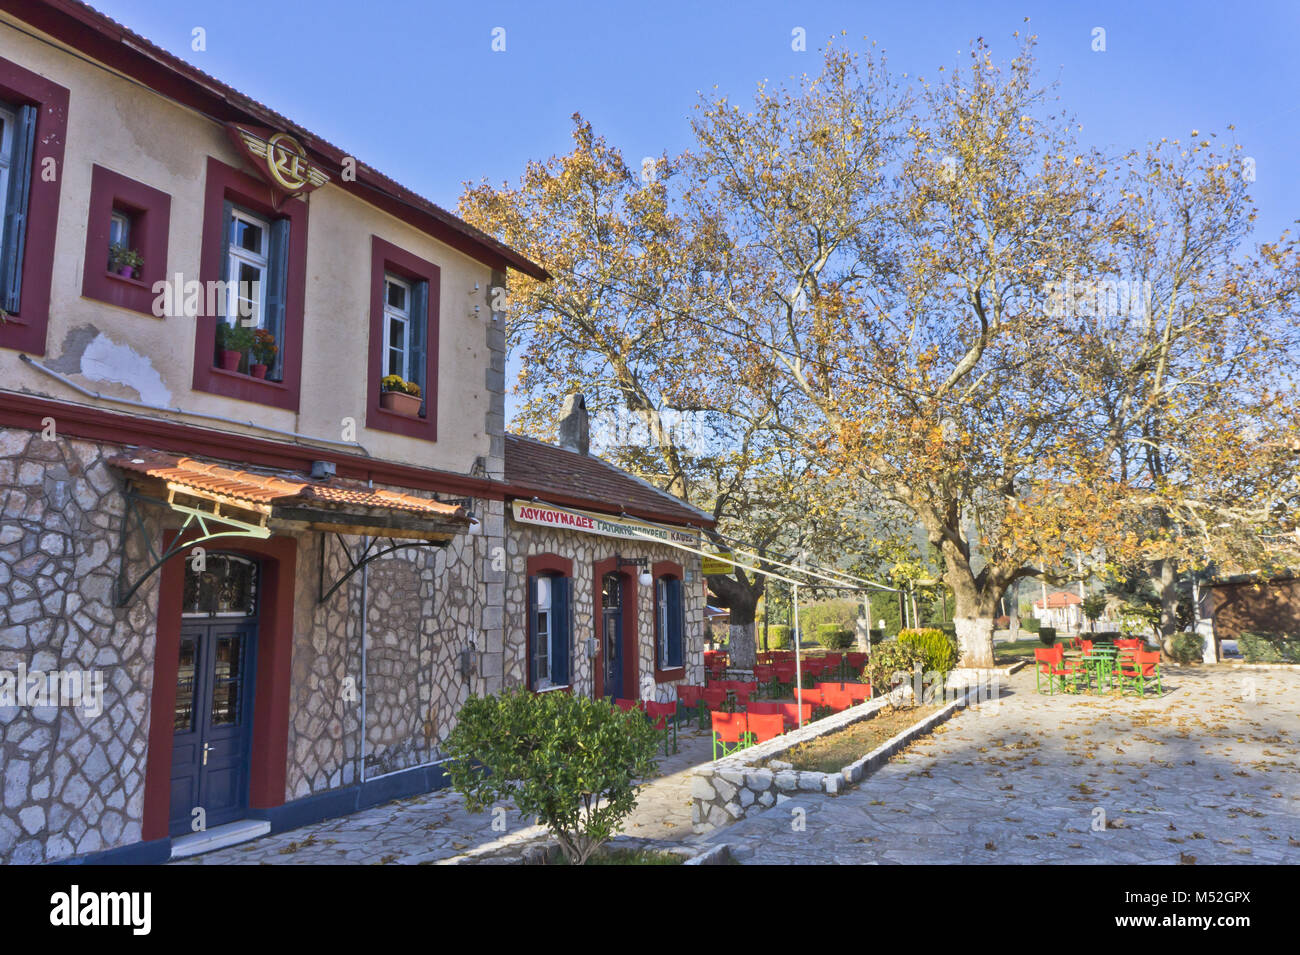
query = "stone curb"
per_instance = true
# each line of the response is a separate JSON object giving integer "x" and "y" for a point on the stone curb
{"x": 860, "y": 769}
{"x": 718, "y": 855}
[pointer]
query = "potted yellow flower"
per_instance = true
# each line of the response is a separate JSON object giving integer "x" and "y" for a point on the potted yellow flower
{"x": 398, "y": 394}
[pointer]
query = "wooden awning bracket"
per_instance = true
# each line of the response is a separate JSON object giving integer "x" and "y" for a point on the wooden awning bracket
{"x": 209, "y": 525}
{"x": 365, "y": 556}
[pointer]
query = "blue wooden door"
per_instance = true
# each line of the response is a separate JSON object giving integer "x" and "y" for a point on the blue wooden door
{"x": 612, "y": 630}
{"x": 212, "y": 723}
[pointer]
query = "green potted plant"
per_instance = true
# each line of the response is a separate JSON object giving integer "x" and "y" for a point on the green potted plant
{"x": 124, "y": 261}
{"x": 263, "y": 353}
{"x": 399, "y": 395}
{"x": 233, "y": 341}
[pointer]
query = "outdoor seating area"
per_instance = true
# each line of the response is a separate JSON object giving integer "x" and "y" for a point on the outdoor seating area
{"x": 663, "y": 716}
{"x": 1081, "y": 666}
{"x": 746, "y": 712}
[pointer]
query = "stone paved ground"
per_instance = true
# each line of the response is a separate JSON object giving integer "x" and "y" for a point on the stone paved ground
{"x": 1209, "y": 773}
{"x": 437, "y": 828}
{"x": 1205, "y": 772}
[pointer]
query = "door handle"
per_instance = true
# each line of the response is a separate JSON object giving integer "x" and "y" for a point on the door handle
{"x": 205, "y": 753}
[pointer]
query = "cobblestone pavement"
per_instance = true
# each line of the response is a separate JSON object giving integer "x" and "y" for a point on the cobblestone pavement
{"x": 1208, "y": 773}
{"x": 436, "y": 827}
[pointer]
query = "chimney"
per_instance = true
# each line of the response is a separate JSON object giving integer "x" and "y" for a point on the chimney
{"x": 574, "y": 434}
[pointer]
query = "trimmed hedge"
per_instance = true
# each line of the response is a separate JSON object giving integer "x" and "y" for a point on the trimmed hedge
{"x": 1030, "y": 624}
{"x": 1187, "y": 647}
{"x": 778, "y": 637}
{"x": 1047, "y": 635}
{"x": 834, "y": 637}
{"x": 1269, "y": 647}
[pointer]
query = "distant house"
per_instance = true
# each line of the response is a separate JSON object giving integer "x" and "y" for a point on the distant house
{"x": 1062, "y": 610}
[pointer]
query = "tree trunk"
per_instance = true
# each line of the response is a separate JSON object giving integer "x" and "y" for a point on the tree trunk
{"x": 1167, "y": 588}
{"x": 741, "y": 598}
{"x": 975, "y": 638}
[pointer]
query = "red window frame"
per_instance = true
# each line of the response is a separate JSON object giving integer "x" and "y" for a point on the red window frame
{"x": 150, "y": 211}
{"x": 388, "y": 258}
{"x": 227, "y": 183}
{"x": 668, "y": 568}
{"x": 25, "y": 329}
{"x": 536, "y": 565}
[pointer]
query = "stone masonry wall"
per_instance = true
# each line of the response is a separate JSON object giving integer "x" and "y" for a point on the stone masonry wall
{"x": 525, "y": 540}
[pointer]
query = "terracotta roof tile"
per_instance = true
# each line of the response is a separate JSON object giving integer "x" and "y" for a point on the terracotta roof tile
{"x": 547, "y": 471}
{"x": 257, "y": 488}
{"x": 1060, "y": 598}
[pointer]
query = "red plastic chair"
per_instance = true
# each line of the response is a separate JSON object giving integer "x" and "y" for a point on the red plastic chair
{"x": 835, "y": 696}
{"x": 765, "y": 726}
{"x": 790, "y": 713}
{"x": 858, "y": 692}
{"x": 662, "y": 717}
{"x": 714, "y": 697}
{"x": 814, "y": 697}
{"x": 1139, "y": 670}
{"x": 856, "y": 661}
{"x": 730, "y": 732}
{"x": 628, "y": 705}
{"x": 1046, "y": 661}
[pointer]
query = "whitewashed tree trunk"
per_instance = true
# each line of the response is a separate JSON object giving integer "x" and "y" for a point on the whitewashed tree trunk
{"x": 975, "y": 639}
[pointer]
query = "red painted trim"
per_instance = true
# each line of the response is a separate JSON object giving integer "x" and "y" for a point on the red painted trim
{"x": 225, "y": 182}
{"x": 544, "y": 564}
{"x": 631, "y": 648}
{"x": 268, "y": 760}
{"x": 95, "y": 424}
{"x": 150, "y": 211}
{"x": 25, "y": 329}
{"x": 102, "y": 39}
{"x": 666, "y": 568}
{"x": 549, "y": 564}
{"x": 386, "y": 257}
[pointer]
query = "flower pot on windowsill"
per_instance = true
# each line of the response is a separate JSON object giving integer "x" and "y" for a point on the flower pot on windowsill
{"x": 401, "y": 402}
{"x": 258, "y": 371}
{"x": 230, "y": 359}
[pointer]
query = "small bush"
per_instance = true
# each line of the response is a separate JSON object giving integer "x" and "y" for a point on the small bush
{"x": 569, "y": 760}
{"x": 834, "y": 637}
{"x": 1187, "y": 647}
{"x": 887, "y": 661}
{"x": 938, "y": 649}
{"x": 1269, "y": 647}
{"x": 1105, "y": 636}
{"x": 876, "y": 634}
{"x": 1030, "y": 624}
{"x": 1047, "y": 635}
{"x": 778, "y": 637}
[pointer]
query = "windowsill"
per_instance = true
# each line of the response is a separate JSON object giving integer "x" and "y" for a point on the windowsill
{"x": 240, "y": 376}
{"x": 394, "y": 422}
{"x": 670, "y": 676}
{"x": 126, "y": 279}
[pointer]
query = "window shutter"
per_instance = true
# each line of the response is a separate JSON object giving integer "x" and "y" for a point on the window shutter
{"x": 419, "y": 337}
{"x": 676, "y": 623}
{"x": 15, "y": 214}
{"x": 560, "y": 631}
{"x": 227, "y": 229}
{"x": 277, "y": 290}
{"x": 532, "y": 628}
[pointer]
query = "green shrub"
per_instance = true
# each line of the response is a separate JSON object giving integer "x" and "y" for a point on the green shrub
{"x": 1105, "y": 636}
{"x": 875, "y": 634}
{"x": 1047, "y": 635}
{"x": 1187, "y": 647}
{"x": 569, "y": 760}
{"x": 1030, "y": 624}
{"x": 886, "y": 661}
{"x": 1269, "y": 647}
{"x": 778, "y": 637}
{"x": 834, "y": 637}
{"x": 938, "y": 649}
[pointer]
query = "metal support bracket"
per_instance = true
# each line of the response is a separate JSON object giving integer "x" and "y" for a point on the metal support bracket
{"x": 210, "y": 525}
{"x": 366, "y": 556}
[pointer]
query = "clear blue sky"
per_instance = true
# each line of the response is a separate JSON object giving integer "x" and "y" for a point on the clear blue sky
{"x": 415, "y": 89}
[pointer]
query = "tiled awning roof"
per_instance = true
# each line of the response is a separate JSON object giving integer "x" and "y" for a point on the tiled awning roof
{"x": 291, "y": 499}
{"x": 561, "y": 476}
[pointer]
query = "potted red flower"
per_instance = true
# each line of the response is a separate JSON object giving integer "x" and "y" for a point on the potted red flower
{"x": 264, "y": 352}
{"x": 398, "y": 394}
